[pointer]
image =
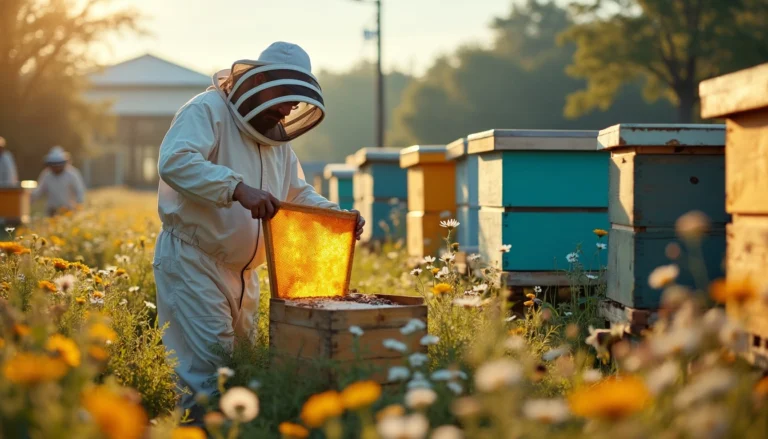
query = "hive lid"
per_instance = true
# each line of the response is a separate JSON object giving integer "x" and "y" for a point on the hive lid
{"x": 367, "y": 155}
{"x": 339, "y": 170}
{"x": 456, "y": 149}
{"x": 309, "y": 251}
{"x": 532, "y": 140}
{"x": 673, "y": 135}
{"x": 422, "y": 154}
{"x": 735, "y": 92}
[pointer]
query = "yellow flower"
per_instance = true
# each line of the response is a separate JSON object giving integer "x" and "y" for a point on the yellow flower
{"x": 516, "y": 331}
{"x": 321, "y": 407}
{"x": 360, "y": 394}
{"x": 82, "y": 267}
{"x": 292, "y": 431}
{"x": 98, "y": 294}
{"x": 98, "y": 353}
{"x": 5, "y": 286}
{"x": 116, "y": 416}
{"x": 60, "y": 264}
{"x": 732, "y": 290}
{"x": 88, "y": 236}
{"x": 65, "y": 347}
{"x": 2, "y": 343}
{"x": 101, "y": 332}
{"x": 393, "y": 410}
{"x": 441, "y": 288}
{"x": 21, "y": 329}
{"x": 188, "y": 433}
{"x": 57, "y": 241}
{"x": 435, "y": 270}
{"x": 611, "y": 398}
{"x": 530, "y": 296}
{"x": 120, "y": 272}
{"x": 30, "y": 368}
{"x": 80, "y": 300}
{"x": 118, "y": 242}
{"x": 48, "y": 286}
{"x": 600, "y": 232}
{"x": 528, "y": 303}
{"x": 98, "y": 280}
{"x": 13, "y": 248}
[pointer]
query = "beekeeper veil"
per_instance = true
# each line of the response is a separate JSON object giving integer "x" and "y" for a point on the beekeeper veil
{"x": 274, "y": 99}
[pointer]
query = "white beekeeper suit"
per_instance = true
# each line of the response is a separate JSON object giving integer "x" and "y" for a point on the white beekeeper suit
{"x": 8, "y": 175}
{"x": 207, "y": 288}
{"x": 60, "y": 182}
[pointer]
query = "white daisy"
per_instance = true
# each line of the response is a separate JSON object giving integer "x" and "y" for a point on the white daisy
{"x": 412, "y": 326}
{"x": 537, "y": 289}
{"x": 455, "y": 387}
{"x": 398, "y": 373}
{"x": 150, "y": 305}
{"x": 65, "y": 283}
{"x": 601, "y": 245}
{"x": 497, "y": 374}
{"x": 482, "y": 288}
{"x": 448, "y": 257}
{"x": 449, "y": 224}
{"x": 420, "y": 398}
{"x": 505, "y": 248}
{"x": 547, "y": 411}
{"x": 417, "y": 359}
{"x": 240, "y": 404}
{"x": 226, "y": 372}
{"x": 591, "y": 276}
{"x": 429, "y": 339}
{"x": 395, "y": 345}
{"x": 356, "y": 330}
{"x": 572, "y": 257}
{"x": 416, "y": 271}
{"x": 413, "y": 426}
{"x": 473, "y": 257}
{"x": 429, "y": 259}
{"x": 133, "y": 289}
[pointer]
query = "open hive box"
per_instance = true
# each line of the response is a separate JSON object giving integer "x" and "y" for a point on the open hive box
{"x": 309, "y": 256}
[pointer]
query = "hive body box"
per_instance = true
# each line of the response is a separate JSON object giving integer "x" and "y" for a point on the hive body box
{"x": 308, "y": 334}
{"x": 380, "y": 191}
{"x": 543, "y": 192}
{"x": 14, "y": 205}
{"x": 340, "y": 184}
{"x": 467, "y": 204}
{"x": 657, "y": 174}
{"x": 431, "y": 197}
{"x": 742, "y": 99}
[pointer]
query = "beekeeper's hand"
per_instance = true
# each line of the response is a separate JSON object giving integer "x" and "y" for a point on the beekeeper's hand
{"x": 261, "y": 203}
{"x": 360, "y": 224}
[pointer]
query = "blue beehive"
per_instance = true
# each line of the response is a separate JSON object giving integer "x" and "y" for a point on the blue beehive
{"x": 380, "y": 192}
{"x": 340, "y": 184}
{"x": 543, "y": 192}
{"x": 467, "y": 204}
{"x": 657, "y": 174}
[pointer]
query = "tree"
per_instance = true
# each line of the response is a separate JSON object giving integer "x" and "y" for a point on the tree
{"x": 46, "y": 47}
{"x": 670, "y": 44}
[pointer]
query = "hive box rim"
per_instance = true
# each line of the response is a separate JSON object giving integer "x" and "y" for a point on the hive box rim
{"x": 312, "y": 210}
{"x": 585, "y": 140}
{"x": 339, "y": 170}
{"x": 456, "y": 149}
{"x": 422, "y": 154}
{"x": 614, "y": 136}
{"x": 389, "y": 154}
{"x": 737, "y": 92}
{"x": 393, "y": 297}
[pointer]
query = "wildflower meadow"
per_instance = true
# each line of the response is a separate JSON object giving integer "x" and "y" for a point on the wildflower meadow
{"x": 81, "y": 354}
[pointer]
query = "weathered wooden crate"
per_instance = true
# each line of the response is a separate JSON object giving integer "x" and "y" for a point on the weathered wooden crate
{"x": 310, "y": 334}
{"x": 467, "y": 204}
{"x": 658, "y": 173}
{"x": 543, "y": 192}
{"x": 742, "y": 99}
{"x": 14, "y": 205}
{"x": 340, "y": 184}
{"x": 431, "y": 196}
{"x": 380, "y": 187}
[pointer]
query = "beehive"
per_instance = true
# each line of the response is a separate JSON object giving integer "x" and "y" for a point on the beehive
{"x": 467, "y": 204}
{"x": 340, "y": 184}
{"x": 431, "y": 197}
{"x": 14, "y": 205}
{"x": 543, "y": 192}
{"x": 380, "y": 191}
{"x": 309, "y": 254}
{"x": 742, "y": 99}
{"x": 657, "y": 174}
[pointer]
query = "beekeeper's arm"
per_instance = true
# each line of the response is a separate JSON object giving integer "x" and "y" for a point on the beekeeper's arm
{"x": 42, "y": 184}
{"x": 184, "y": 164}
{"x": 301, "y": 192}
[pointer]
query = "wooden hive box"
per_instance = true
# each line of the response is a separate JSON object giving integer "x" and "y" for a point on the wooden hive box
{"x": 431, "y": 197}
{"x": 15, "y": 205}
{"x": 741, "y": 98}
{"x": 543, "y": 192}
{"x": 380, "y": 190}
{"x": 340, "y": 184}
{"x": 467, "y": 204}
{"x": 657, "y": 174}
{"x": 310, "y": 253}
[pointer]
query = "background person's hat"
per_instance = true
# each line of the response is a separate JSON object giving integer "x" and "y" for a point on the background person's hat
{"x": 56, "y": 156}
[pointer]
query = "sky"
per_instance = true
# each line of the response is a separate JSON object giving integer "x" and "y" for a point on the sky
{"x": 208, "y": 35}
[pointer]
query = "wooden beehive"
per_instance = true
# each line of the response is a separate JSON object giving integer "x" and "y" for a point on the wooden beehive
{"x": 467, "y": 204}
{"x": 340, "y": 184}
{"x": 380, "y": 190}
{"x": 742, "y": 99}
{"x": 543, "y": 192}
{"x": 14, "y": 205}
{"x": 657, "y": 174}
{"x": 431, "y": 197}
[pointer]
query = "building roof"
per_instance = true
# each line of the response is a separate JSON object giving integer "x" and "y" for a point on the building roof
{"x": 148, "y": 71}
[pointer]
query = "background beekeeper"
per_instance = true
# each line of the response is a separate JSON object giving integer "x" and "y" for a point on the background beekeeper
{"x": 8, "y": 174}
{"x": 60, "y": 182}
{"x": 224, "y": 165}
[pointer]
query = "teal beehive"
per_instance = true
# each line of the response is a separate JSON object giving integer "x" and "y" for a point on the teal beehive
{"x": 543, "y": 192}
{"x": 380, "y": 192}
{"x": 467, "y": 204}
{"x": 340, "y": 184}
{"x": 657, "y": 174}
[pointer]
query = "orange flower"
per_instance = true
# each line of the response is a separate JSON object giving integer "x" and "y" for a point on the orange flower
{"x": 117, "y": 417}
{"x": 732, "y": 290}
{"x": 321, "y": 407}
{"x": 22, "y": 330}
{"x": 360, "y": 394}
{"x": 441, "y": 288}
{"x": 48, "y": 286}
{"x": 13, "y": 248}
{"x": 80, "y": 300}
{"x": 98, "y": 353}
{"x": 120, "y": 272}
{"x": 600, "y": 232}
{"x": 188, "y": 433}
{"x": 611, "y": 398}
{"x": 292, "y": 431}
{"x": 60, "y": 264}
{"x": 28, "y": 368}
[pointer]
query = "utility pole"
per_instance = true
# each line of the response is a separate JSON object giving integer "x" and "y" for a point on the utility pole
{"x": 380, "y": 114}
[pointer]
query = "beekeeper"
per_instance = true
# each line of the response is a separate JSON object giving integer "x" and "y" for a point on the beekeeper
{"x": 8, "y": 175}
{"x": 60, "y": 183}
{"x": 226, "y": 164}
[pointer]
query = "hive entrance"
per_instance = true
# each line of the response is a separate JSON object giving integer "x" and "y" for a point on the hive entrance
{"x": 309, "y": 251}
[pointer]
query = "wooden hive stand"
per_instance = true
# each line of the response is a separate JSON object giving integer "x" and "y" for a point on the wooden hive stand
{"x": 741, "y": 98}
{"x": 657, "y": 174}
